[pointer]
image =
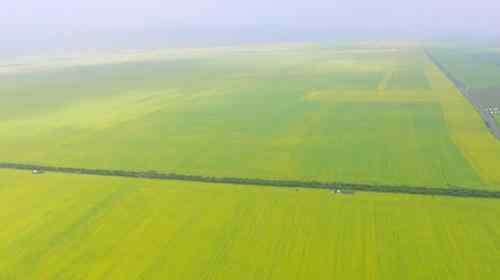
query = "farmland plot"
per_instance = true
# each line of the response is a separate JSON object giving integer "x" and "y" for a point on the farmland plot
{"x": 469, "y": 132}
{"x": 478, "y": 68}
{"x": 85, "y": 227}
{"x": 293, "y": 112}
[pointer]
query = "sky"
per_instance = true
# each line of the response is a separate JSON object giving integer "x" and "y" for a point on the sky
{"x": 356, "y": 14}
{"x": 23, "y": 21}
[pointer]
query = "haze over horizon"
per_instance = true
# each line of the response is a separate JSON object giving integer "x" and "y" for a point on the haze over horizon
{"x": 54, "y": 23}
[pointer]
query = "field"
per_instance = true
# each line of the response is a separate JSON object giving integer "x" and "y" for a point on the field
{"x": 475, "y": 70}
{"x": 377, "y": 114}
{"x": 84, "y": 227}
{"x": 358, "y": 114}
{"x": 477, "y": 67}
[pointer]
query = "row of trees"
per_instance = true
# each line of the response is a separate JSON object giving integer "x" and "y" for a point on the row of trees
{"x": 423, "y": 190}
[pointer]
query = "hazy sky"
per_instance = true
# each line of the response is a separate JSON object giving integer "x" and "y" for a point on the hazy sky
{"x": 27, "y": 19}
{"x": 353, "y": 14}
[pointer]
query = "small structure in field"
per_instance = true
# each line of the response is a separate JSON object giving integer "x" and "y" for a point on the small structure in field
{"x": 36, "y": 172}
{"x": 493, "y": 110}
{"x": 339, "y": 191}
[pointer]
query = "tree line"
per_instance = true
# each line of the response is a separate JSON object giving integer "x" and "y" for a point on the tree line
{"x": 342, "y": 186}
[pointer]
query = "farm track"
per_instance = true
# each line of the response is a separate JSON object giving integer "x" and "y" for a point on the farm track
{"x": 416, "y": 190}
{"x": 488, "y": 118}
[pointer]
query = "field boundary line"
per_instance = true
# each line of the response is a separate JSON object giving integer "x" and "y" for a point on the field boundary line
{"x": 454, "y": 191}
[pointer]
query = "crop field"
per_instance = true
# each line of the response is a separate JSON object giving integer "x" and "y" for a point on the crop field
{"x": 361, "y": 114}
{"x": 372, "y": 115}
{"x": 475, "y": 71}
{"x": 478, "y": 68}
{"x": 85, "y": 227}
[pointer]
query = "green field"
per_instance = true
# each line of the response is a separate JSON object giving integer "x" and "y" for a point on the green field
{"x": 379, "y": 114}
{"x": 84, "y": 227}
{"x": 373, "y": 115}
{"x": 477, "y": 67}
